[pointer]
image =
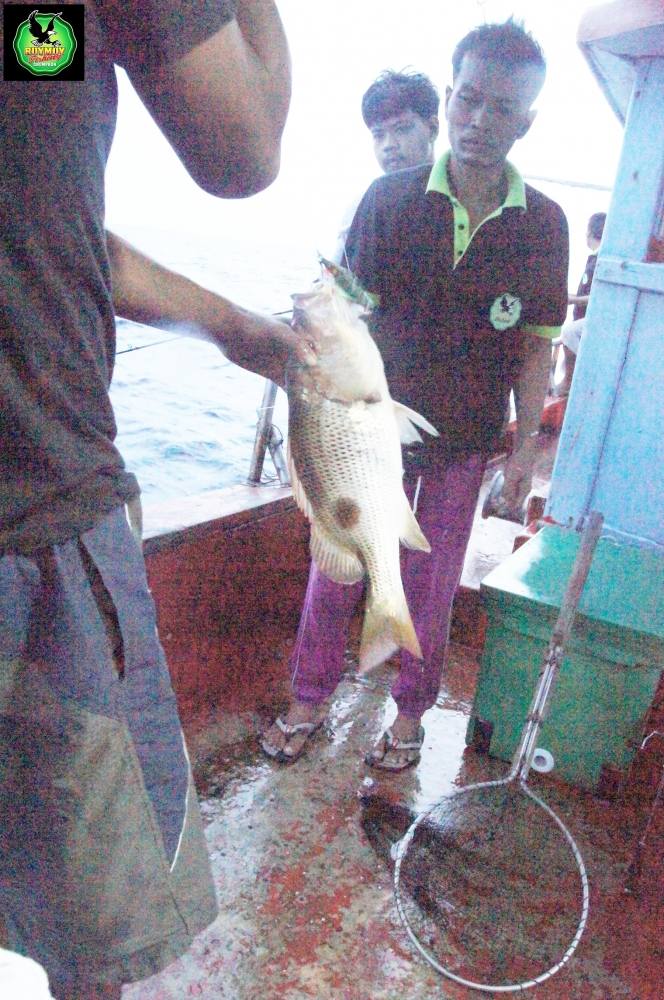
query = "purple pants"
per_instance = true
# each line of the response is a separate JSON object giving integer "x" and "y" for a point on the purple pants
{"x": 445, "y": 502}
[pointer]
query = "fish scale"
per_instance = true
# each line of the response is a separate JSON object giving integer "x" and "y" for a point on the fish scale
{"x": 356, "y": 468}
{"x": 346, "y": 468}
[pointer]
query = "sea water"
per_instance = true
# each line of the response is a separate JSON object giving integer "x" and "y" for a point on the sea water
{"x": 186, "y": 416}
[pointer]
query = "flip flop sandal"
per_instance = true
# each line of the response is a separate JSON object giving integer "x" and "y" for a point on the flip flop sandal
{"x": 308, "y": 728}
{"x": 377, "y": 757}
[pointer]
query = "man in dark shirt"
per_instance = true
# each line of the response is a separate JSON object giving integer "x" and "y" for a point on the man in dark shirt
{"x": 470, "y": 266}
{"x": 571, "y": 333}
{"x": 104, "y": 877}
{"x": 401, "y": 112}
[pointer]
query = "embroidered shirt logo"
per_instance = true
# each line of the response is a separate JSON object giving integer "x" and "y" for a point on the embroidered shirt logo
{"x": 505, "y": 311}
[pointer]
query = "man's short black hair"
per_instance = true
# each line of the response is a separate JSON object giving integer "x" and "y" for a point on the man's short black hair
{"x": 391, "y": 93}
{"x": 508, "y": 43}
{"x": 596, "y": 225}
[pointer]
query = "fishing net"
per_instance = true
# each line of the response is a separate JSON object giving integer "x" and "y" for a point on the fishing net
{"x": 491, "y": 887}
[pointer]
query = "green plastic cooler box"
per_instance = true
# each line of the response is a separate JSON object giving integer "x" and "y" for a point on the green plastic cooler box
{"x": 611, "y": 667}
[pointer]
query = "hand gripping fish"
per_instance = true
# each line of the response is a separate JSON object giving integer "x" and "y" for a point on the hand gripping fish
{"x": 344, "y": 456}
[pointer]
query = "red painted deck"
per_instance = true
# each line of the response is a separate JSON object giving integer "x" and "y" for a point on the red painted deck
{"x": 301, "y": 854}
{"x": 301, "y": 859}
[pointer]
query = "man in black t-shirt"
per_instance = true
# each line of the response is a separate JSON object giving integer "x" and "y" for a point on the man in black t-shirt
{"x": 571, "y": 333}
{"x": 104, "y": 876}
{"x": 401, "y": 112}
{"x": 470, "y": 266}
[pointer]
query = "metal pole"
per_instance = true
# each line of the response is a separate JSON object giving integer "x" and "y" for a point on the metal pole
{"x": 523, "y": 755}
{"x": 275, "y": 444}
{"x": 263, "y": 429}
{"x": 267, "y": 437}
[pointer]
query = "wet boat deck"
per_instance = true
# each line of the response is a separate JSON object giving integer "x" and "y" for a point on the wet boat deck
{"x": 301, "y": 853}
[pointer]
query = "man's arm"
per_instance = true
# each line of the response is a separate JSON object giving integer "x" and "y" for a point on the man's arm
{"x": 549, "y": 261}
{"x": 146, "y": 292}
{"x": 223, "y": 105}
{"x": 529, "y": 394}
{"x": 531, "y": 386}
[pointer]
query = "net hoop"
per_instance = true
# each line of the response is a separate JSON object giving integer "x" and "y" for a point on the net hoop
{"x": 402, "y": 848}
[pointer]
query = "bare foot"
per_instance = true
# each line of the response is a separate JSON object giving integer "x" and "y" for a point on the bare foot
{"x": 280, "y": 743}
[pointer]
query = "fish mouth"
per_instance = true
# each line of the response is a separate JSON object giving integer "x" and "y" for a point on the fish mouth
{"x": 300, "y": 318}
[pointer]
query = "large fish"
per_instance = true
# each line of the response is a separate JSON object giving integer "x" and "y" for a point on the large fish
{"x": 344, "y": 454}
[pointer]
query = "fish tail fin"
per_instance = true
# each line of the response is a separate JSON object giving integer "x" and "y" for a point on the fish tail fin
{"x": 386, "y": 628}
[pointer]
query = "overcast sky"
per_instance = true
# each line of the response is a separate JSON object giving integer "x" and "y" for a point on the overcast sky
{"x": 337, "y": 49}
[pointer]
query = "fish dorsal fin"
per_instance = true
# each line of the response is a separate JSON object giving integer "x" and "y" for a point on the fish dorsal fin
{"x": 406, "y": 418}
{"x": 410, "y": 533}
{"x": 336, "y": 563}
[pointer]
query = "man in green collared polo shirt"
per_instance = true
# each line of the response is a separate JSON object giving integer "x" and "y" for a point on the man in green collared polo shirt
{"x": 470, "y": 265}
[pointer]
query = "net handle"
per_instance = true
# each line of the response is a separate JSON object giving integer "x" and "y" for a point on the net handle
{"x": 592, "y": 530}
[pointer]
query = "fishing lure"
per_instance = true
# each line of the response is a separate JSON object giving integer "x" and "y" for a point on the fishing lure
{"x": 348, "y": 284}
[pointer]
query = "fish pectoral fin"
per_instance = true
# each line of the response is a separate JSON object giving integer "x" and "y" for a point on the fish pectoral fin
{"x": 411, "y": 535}
{"x": 299, "y": 494}
{"x": 386, "y": 628}
{"x": 334, "y": 562}
{"x": 408, "y": 421}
